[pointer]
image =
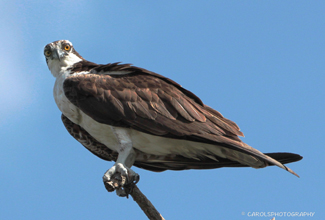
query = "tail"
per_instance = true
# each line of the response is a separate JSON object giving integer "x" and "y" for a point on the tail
{"x": 285, "y": 158}
{"x": 182, "y": 163}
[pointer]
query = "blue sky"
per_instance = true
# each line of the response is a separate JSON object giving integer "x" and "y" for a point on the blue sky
{"x": 260, "y": 63}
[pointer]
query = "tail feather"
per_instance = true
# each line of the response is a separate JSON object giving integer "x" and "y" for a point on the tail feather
{"x": 285, "y": 157}
{"x": 182, "y": 163}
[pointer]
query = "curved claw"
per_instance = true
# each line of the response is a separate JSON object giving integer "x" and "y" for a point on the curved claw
{"x": 134, "y": 180}
{"x": 128, "y": 187}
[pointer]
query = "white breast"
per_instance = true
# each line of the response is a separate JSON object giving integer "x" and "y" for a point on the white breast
{"x": 101, "y": 132}
{"x": 65, "y": 106}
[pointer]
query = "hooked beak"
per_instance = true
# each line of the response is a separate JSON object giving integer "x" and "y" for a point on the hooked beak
{"x": 59, "y": 54}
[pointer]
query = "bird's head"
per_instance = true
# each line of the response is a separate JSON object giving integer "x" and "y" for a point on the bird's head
{"x": 60, "y": 55}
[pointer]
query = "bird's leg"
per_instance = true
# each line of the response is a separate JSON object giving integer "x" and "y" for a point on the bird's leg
{"x": 125, "y": 160}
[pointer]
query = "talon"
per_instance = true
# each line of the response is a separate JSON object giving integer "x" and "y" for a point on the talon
{"x": 137, "y": 178}
{"x": 134, "y": 179}
{"x": 120, "y": 178}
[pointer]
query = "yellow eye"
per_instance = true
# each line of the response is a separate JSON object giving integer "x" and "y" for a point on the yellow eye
{"x": 67, "y": 47}
{"x": 47, "y": 53}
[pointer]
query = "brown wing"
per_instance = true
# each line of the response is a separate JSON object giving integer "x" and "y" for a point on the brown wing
{"x": 147, "y": 103}
{"x": 151, "y": 103}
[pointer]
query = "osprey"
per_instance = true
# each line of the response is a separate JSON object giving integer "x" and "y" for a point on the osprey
{"x": 133, "y": 116}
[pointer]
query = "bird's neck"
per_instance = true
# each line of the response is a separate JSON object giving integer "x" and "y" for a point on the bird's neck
{"x": 59, "y": 67}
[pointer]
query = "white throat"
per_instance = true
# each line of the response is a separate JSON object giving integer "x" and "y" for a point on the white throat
{"x": 58, "y": 67}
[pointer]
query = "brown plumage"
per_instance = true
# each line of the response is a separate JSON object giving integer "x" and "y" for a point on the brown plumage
{"x": 126, "y": 96}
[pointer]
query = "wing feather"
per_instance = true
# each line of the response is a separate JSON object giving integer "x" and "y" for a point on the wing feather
{"x": 156, "y": 105}
{"x": 141, "y": 109}
{"x": 161, "y": 109}
{"x": 145, "y": 96}
{"x": 181, "y": 110}
{"x": 191, "y": 110}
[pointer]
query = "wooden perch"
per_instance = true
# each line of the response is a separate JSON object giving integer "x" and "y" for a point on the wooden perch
{"x": 117, "y": 181}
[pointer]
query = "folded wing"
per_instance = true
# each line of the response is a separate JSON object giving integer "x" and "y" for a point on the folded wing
{"x": 145, "y": 101}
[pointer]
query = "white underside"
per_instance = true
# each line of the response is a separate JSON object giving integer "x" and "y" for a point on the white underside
{"x": 147, "y": 143}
